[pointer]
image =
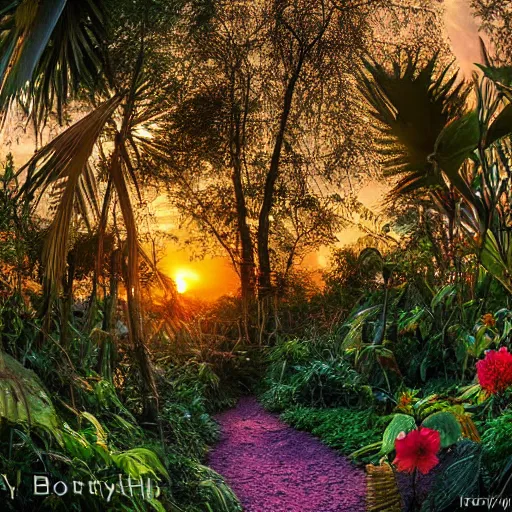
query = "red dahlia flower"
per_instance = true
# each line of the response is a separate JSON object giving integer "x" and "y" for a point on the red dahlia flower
{"x": 495, "y": 371}
{"x": 417, "y": 450}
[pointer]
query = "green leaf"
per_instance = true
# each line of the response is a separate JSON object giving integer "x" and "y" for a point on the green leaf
{"x": 444, "y": 292}
{"x": 447, "y": 425}
{"x": 23, "y": 398}
{"x": 458, "y": 478}
{"x": 353, "y": 338}
{"x": 139, "y": 462}
{"x": 101, "y": 436}
{"x": 493, "y": 262}
{"x": 501, "y": 127}
{"x": 482, "y": 342}
{"x": 399, "y": 423}
{"x": 456, "y": 142}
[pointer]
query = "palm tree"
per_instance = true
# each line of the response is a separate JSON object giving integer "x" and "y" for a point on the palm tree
{"x": 54, "y": 51}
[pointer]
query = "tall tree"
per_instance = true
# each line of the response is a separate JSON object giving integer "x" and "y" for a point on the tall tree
{"x": 265, "y": 101}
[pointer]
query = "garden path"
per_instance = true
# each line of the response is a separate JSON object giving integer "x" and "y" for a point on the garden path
{"x": 273, "y": 468}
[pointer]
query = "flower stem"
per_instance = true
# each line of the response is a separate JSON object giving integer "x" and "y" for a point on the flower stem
{"x": 413, "y": 506}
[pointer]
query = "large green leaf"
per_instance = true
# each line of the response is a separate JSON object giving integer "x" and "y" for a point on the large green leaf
{"x": 399, "y": 423}
{"x": 353, "y": 338}
{"x": 501, "y": 127}
{"x": 446, "y": 291}
{"x": 458, "y": 478}
{"x": 456, "y": 143}
{"x": 447, "y": 425}
{"x": 23, "y": 398}
{"x": 140, "y": 462}
{"x": 493, "y": 262}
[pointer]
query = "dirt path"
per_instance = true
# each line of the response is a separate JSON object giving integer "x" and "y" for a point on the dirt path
{"x": 274, "y": 468}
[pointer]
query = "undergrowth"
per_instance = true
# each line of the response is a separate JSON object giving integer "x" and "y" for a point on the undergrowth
{"x": 341, "y": 428}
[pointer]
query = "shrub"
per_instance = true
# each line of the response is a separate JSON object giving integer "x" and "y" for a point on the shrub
{"x": 497, "y": 442}
{"x": 341, "y": 428}
{"x": 311, "y": 373}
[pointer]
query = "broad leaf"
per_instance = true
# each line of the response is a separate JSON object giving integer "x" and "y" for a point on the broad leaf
{"x": 493, "y": 262}
{"x": 23, "y": 398}
{"x": 458, "y": 478}
{"x": 447, "y": 291}
{"x": 501, "y": 127}
{"x": 140, "y": 462}
{"x": 399, "y": 423}
{"x": 447, "y": 425}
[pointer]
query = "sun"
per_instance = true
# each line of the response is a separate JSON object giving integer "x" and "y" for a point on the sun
{"x": 181, "y": 284}
{"x": 183, "y": 278}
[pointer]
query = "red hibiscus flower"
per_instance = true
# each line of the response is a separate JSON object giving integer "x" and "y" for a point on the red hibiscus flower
{"x": 495, "y": 371}
{"x": 417, "y": 450}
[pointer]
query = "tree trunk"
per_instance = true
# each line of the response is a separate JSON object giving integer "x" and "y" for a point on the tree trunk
{"x": 265, "y": 284}
{"x": 105, "y": 365}
{"x": 67, "y": 301}
{"x": 134, "y": 311}
{"x": 246, "y": 254}
{"x": 247, "y": 265}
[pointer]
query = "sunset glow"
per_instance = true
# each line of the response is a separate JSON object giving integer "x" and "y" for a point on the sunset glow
{"x": 183, "y": 279}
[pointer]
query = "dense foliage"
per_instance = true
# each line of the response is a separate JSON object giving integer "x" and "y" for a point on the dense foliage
{"x": 257, "y": 121}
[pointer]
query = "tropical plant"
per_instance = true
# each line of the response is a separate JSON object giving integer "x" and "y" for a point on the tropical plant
{"x": 412, "y": 106}
{"x": 468, "y": 152}
{"x": 65, "y": 167}
{"x": 344, "y": 429}
{"x": 312, "y": 373}
{"x": 49, "y": 51}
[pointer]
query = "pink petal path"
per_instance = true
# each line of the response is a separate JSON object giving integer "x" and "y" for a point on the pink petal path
{"x": 273, "y": 468}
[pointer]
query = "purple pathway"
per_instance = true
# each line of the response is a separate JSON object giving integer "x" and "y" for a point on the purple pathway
{"x": 274, "y": 468}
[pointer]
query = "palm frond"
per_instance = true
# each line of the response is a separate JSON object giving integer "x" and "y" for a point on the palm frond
{"x": 26, "y": 34}
{"x": 412, "y": 103}
{"x": 61, "y": 164}
{"x": 74, "y": 57}
{"x": 53, "y": 46}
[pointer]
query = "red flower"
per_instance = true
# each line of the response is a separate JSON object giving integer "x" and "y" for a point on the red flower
{"x": 495, "y": 371}
{"x": 417, "y": 450}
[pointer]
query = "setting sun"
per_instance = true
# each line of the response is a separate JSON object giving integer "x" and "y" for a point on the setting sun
{"x": 183, "y": 278}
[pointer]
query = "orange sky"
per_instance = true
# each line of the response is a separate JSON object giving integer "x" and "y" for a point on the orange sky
{"x": 207, "y": 279}
{"x": 213, "y": 277}
{"x": 462, "y": 32}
